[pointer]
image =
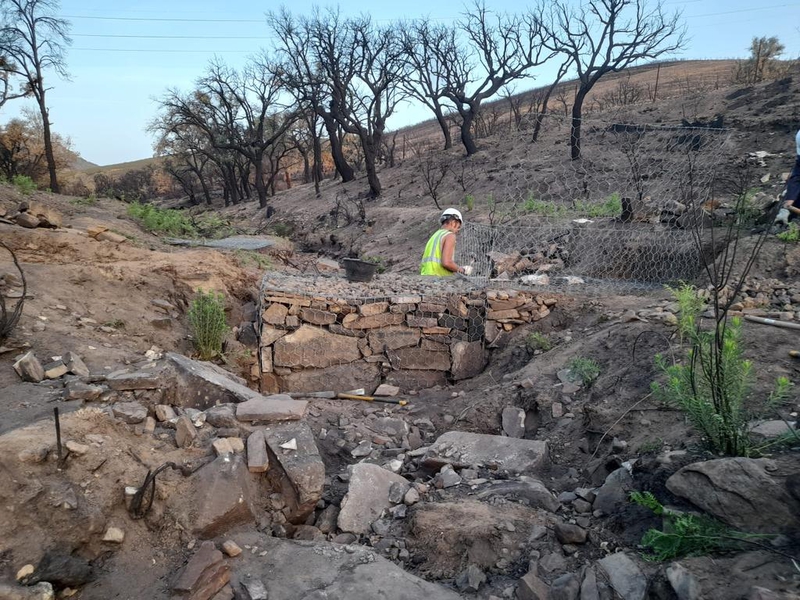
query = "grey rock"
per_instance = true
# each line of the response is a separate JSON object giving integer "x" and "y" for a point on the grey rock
{"x": 130, "y": 412}
{"x": 254, "y": 590}
{"x": 462, "y": 449}
{"x": 40, "y": 591}
{"x": 471, "y": 579}
{"x": 468, "y": 359}
{"x": 625, "y": 576}
{"x": 62, "y": 569}
{"x": 75, "y": 364}
{"x": 257, "y": 457}
{"x": 397, "y": 492}
{"x": 77, "y": 390}
{"x": 222, "y": 416}
{"x": 271, "y": 409}
{"x": 221, "y": 497}
{"x": 773, "y": 429}
{"x": 164, "y": 412}
{"x": 613, "y": 494}
{"x": 185, "y": 432}
{"x": 529, "y": 488}
{"x": 367, "y": 497}
{"x": 513, "y": 421}
{"x": 326, "y": 521}
{"x": 447, "y": 477}
{"x": 739, "y": 491}
{"x": 363, "y": 449}
{"x": 567, "y": 533}
{"x": 589, "y": 590}
{"x": 140, "y": 380}
{"x": 566, "y": 587}
{"x": 531, "y": 587}
{"x": 553, "y": 563}
{"x": 29, "y": 368}
{"x": 683, "y": 582}
{"x": 391, "y": 426}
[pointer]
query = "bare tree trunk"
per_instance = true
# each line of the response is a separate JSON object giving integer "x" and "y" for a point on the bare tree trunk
{"x": 48, "y": 145}
{"x": 261, "y": 189}
{"x": 345, "y": 171}
{"x": 467, "y": 118}
{"x": 448, "y": 139}
{"x": 575, "y": 132}
{"x": 370, "y": 156}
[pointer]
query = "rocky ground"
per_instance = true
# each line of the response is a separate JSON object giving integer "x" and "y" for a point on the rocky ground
{"x": 511, "y": 484}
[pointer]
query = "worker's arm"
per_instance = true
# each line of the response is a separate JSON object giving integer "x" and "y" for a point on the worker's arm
{"x": 788, "y": 205}
{"x": 448, "y": 250}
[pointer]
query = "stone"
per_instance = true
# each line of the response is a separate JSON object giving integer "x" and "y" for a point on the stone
{"x": 77, "y": 390}
{"x": 231, "y": 548}
{"x": 418, "y": 359}
{"x": 149, "y": 425}
{"x": 416, "y": 380}
{"x": 130, "y": 412}
{"x": 613, "y": 494}
{"x": 115, "y": 535}
{"x": 566, "y": 587}
{"x": 468, "y": 359}
{"x": 308, "y": 533}
{"x": 247, "y": 335}
{"x": 294, "y": 570}
{"x": 301, "y": 472}
{"x": 275, "y": 314}
{"x": 317, "y": 317}
{"x": 269, "y": 335}
{"x": 75, "y": 364}
{"x": 513, "y": 420}
{"x": 47, "y": 216}
{"x": 185, "y": 432}
{"x": 349, "y": 376}
{"x": 257, "y": 457}
{"x": 314, "y": 347}
{"x": 222, "y": 447}
{"x": 326, "y": 521}
{"x": 204, "y": 575}
{"x": 76, "y": 448}
{"x": 367, "y": 497}
{"x": 373, "y": 308}
{"x": 63, "y": 570}
{"x": 26, "y": 220}
{"x": 531, "y": 587}
{"x": 40, "y": 591}
{"x": 471, "y": 579}
{"x": 35, "y": 454}
{"x": 386, "y": 390}
{"x": 164, "y": 412}
{"x": 55, "y": 369}
{"x": 25, "y": 571}
{"x": 589, "y": 589}
{"x": 464, "y": 449}
{"x": 29, "y": 368}
{"x": 222, "y": 416}
{"x": 625, "y": 576}
{"x": 393, "y": 338}
{"x": 683, "y": 582}
{"x": 567, "y": 533}
{"x": 447, "y": 477}
{"x": 738, "y": 491}
{"x": 373, "y": 321}
{"x": 412, "y": 497}
{"x": 236, "y": 443}
{"x": 122, "y": 382}
{"x": 220, "y": 497}
{"x": 271, "y": 409}
{"x": 254, "y": 589}
{"x": 528, "y": 488}
{"x": 773, "y": 429}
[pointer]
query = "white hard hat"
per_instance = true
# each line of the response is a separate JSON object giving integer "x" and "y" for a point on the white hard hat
{"x": 451, "y": 212}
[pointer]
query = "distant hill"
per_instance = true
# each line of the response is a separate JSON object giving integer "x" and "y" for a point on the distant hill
{"x": 121, "y": 168}
{"x": 81, "y": 164}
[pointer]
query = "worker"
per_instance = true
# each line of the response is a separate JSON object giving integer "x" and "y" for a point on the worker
{"x": 791, "y": 199}
{"x": 441, "y": 247}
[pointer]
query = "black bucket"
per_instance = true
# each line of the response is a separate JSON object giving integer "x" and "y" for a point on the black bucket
{"x": 359, "y": 270}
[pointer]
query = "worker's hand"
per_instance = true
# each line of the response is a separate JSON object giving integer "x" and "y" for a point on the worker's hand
{"x": 788, "y": 204}
{"x": 467, "y": 270}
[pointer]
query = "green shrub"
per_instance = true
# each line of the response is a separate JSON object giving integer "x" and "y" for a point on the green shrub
{"x": 469, "y": 201}
{"x": 715, "y": 383}
{"x": 89, "y": 200}
{"x": 247, "y": 258}
{"x": 158, "y": 220}
{"x": 584, "y": 370}
{"x": 686, "y": 534}
{"x": 791, "y": 235}
{"x": 284, "y": 230}
{"x": 544, "y": 208}
{"x": 538, "y": 341}
{"x": 24, "y": 184}
{"x": 207, "y": 322}
{"x": 610, "y": 207}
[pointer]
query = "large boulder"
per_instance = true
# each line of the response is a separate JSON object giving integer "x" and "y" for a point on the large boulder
{"x": 463, "y": 449}
{"x": 314, "y": 347}
{"x": 338, "y": 377}
{"x": 625, "y": 576}
{"x": 738, "y": 491}
{"x": 469, "y": 359}
{"x": 298, "y": 570}
{"x": 367, "y": 497}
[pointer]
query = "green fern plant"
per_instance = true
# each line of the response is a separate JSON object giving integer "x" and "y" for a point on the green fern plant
{"x": 584, "y": 370}
{"x": 686, "y": 534}
{"x": 714, "y": 384}
{"x": 207, "y": 322}
{"x": 538, "y": 341}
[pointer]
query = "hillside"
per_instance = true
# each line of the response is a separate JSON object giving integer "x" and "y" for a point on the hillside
{"x": 517, "y": 418}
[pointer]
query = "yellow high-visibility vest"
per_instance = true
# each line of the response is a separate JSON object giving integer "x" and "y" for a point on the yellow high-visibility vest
{"x": 432, "y": 257}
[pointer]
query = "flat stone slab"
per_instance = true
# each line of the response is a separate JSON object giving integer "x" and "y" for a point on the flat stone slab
{"x": 271, "y": 409}
{"x": 367, "y": 497}
{"x": 625, "y": 576}
{"x": 221, "y": 496}
{"x": 297, "y": 570}
{"x": 139, "y": 380}
{"x": 463, "y": 449}
{"x": 303, "y": 467}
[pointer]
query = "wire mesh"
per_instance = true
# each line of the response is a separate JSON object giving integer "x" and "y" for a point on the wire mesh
{"x": 618, "y": 218}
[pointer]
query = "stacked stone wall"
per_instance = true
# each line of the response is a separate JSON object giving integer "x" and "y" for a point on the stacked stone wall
{"x": 311, "y": 343}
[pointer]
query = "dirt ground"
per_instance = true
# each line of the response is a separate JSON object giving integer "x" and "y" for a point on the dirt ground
{"x": 97, "y": 299}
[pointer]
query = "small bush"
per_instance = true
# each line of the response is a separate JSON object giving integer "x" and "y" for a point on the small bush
{"x": 284, "y": 230}
{"x": 379, "y": 261}
{"x": 584, "y": 370}
{"x": 248, "y": 258}
{"x": 715, "y": 383}
{"x": 158, "y": 220}
{"x": 89, "y": 200}
{"x": 469, "y": 201}
{"x": 686, "y": 534}
{"x": 24, "y": 184}
{"x": 207, "y": 322}
{"x": 538, "y": 341}
{"x": 544, "y": 208}
{"x": 791, "y": 235}
{"x": 610, "y": 207}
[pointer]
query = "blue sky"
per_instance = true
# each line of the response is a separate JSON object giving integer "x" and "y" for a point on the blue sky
{"x": 126, "y": 54}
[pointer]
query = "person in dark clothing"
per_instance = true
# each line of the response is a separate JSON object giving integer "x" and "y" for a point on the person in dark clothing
{"x": 792, "y": 197}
